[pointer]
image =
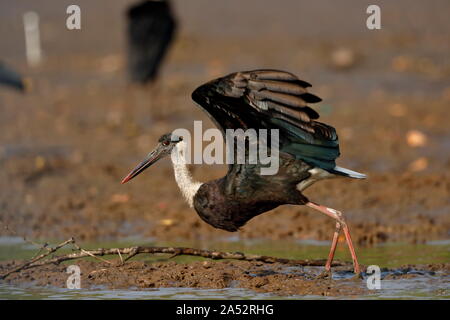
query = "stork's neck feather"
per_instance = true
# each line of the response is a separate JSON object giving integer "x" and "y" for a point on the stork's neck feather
{"x": 187, "y": 185}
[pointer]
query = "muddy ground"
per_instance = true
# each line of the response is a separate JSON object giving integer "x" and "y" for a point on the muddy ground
{"x": 66, "y": 144}
{"x": 276, "y": 279}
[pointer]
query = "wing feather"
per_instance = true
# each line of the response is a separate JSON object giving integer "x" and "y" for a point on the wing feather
{"x": 272, "y": 99}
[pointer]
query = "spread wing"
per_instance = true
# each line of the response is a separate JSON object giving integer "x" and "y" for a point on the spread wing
{"x": 271, "y": 99}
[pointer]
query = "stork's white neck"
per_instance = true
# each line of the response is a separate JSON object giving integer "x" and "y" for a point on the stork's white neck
{"x": 187, "y": 185}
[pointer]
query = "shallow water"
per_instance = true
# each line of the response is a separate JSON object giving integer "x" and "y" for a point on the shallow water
{"x": 425, "y": 285}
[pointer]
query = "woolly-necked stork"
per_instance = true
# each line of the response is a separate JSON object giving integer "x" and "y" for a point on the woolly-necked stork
{"x": 260, "y": 99}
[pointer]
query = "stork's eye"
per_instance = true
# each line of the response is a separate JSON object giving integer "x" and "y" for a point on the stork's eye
{"x": 166, "y": 143}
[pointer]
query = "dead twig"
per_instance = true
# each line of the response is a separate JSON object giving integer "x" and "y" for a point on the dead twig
{"x": 174, "y": 251}
{"x": 27, "y": 264}
{"x": 40, "y": 246}
{"x": 90, "y": 254}
{"x": 131, "y": 254}
{"x": 121, "y": 259}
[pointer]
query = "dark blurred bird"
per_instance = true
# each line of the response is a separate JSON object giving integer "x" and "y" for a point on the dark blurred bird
{"x": 151, "y": 27}
{"x": 260, "y": 99}
{"x": 10, "y": 78}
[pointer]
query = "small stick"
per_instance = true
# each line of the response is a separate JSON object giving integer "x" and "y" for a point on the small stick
{"x": 132, "y": 253}
{"x": 120, "y": 256}
{"x": 36, "y": 259}
{"x": 40, "y": 246}
{"x": 90, "y": 254}
{"x": 177, "y": 253}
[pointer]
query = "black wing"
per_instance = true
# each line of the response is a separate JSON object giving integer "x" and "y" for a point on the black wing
{"x": 271, "y": 99}
{"x": 151, "y": 26}
{"x": 10, "y": 78}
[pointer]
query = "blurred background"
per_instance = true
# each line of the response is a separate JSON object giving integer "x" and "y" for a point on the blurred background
{"x": 80, "y": 127}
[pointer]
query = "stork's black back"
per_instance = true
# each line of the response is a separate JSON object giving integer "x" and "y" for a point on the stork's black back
{"x": 151, "y": 26}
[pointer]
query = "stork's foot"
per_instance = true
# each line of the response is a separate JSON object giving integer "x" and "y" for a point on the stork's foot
{"x": 340, "y": 224}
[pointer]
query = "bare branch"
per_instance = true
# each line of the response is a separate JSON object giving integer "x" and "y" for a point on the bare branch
{"x": 174, "y": 251}
{"x": 40, "y": 246}
{"x": 31, "y": 262}
{"x": 90, "y": 254}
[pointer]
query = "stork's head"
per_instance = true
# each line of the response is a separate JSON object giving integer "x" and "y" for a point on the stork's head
{"x": 164, "y": 148}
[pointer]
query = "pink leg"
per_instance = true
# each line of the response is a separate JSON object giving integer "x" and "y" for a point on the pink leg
{"x": 333, "y": 247}
{"x": 340, "y": 222}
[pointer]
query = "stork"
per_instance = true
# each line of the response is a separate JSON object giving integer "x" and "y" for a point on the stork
{"x": 151, "y": 28}
{"x": 260, "y": 99}
{"x": 11, "y": 78}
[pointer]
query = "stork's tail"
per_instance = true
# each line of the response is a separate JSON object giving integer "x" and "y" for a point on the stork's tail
{"x": 348, "y": 173}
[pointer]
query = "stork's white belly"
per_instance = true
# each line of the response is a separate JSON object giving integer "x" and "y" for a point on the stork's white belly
{"x": 316, "y": 175}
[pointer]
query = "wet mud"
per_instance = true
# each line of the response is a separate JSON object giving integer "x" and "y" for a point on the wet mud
{"x": 276, "y": 279}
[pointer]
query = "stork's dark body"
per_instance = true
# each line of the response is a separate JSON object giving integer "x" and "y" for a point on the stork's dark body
{"x": 228, "y": 203}
{"x": 263, "y": 99}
